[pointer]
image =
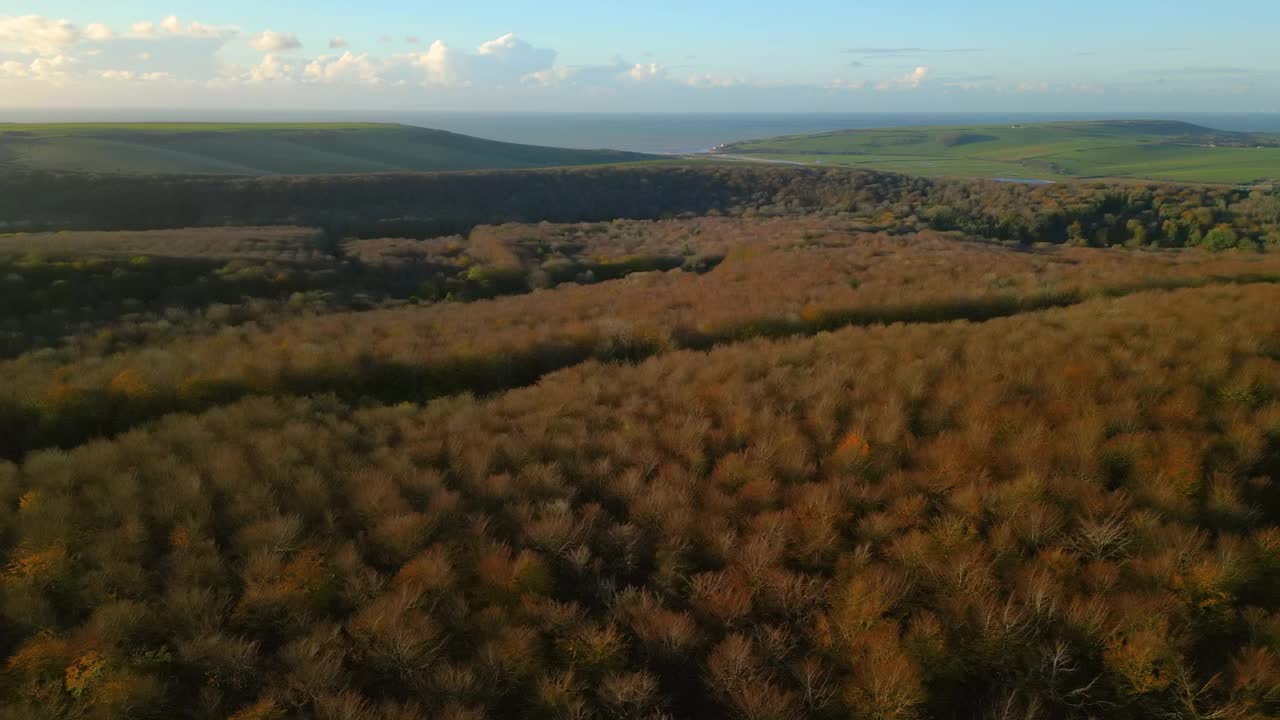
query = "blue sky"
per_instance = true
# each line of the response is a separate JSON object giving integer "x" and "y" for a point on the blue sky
{"x": 659, "y": 55}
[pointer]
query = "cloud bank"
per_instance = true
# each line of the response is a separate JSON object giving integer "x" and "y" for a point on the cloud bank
{"x": 46, "y": 60}
{"x": 272, "y": 41}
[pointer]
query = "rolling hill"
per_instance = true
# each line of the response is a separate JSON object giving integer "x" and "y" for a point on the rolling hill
{"x": 1150, "y": 150}
{"x": 271, "y": 149}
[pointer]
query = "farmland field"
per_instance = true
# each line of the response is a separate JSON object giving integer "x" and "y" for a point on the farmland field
{"x": 1053, "y": 151}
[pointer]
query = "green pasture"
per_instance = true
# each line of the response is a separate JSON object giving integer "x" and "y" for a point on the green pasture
{"x": 1051, "y": 151}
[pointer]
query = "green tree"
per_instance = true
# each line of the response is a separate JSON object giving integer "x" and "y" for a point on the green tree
{"x": 1221, "y": 237}
{"x": 1137, "y": 232}
{"x": 1075, "y": 233}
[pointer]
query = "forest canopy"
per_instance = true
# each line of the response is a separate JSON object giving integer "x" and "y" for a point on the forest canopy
{"x": 656, "y": 444}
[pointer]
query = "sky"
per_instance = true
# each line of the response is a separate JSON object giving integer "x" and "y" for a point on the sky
{"x": 656, "y": 56}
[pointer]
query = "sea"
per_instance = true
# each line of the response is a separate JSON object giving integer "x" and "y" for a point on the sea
{"x": 664, "y": 133}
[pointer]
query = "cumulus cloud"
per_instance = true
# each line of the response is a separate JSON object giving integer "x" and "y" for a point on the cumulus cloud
{"x": 173, "y": 27}
{"x": 272, "y": 41}
{"x": 33, "y": 34}
{"x": 509, "y": 57}
{"x": 644, "y": 73}
{"x": 149, "y": 51}
{"x": 185, "y": 50}
{"x": 912, "y": 79}
{"x": 98, "y": 32}
{"x": 36, "y": 49}
{"x": 53, "y": 70}
{"x": 130, "y": 76}
{"x": 621, "y": 73}
{"x": 618, "y": 72}
{"x": 503, "y": 61}
{"x": 440, "y": 64}
{"x": 271, "y": 69}
{"x": 585, "y": 75}
{"x": 547, "y": 78}
{"x": 347, "y": 68}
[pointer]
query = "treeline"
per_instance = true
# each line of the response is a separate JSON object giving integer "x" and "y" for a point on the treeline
{"x": 430, "y": 205}
{"x": 1069, "y": 514}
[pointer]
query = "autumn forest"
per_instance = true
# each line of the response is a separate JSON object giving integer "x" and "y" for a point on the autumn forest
{"x": 644, "y": 443}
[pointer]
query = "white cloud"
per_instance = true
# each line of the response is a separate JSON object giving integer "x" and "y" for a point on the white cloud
{"x": 547, "y": 78}
{"x": 33, "y": 34}
{"x": 191, "y": 53}
{"x": 99, "y": 32}
{"x": 172, "y": 26}
{"x": 440, "y": 64}
{"x": 272, "y": 41}
{"x": 272, "y": 69}
{"x": 597, "y": 76}
{"x": 14, "y": 70}
{"x": 505, "y": 44}
{"x": 643, "y": 73}
{"x": 54, "y": 70}
{"x": 913, "y": 79}
{"x": 130, "y": 76}
{"x": 621, "y": 73}
{"x": 348, "y": 68}
{"x": 503, "y": 61}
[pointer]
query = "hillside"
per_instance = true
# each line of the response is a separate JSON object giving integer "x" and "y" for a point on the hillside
{"x": 1149, "y": 150}
{"x": 270, "y": 149}
{"x": 425, "y": 205}
{"x": 814, "y": 471}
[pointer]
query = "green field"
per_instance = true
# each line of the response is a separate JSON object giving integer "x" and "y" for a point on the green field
{"x": 1149, "y": 150}
{"x": 270, "y": 149}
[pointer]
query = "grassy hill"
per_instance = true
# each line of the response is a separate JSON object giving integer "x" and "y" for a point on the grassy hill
{"x": 1152, "y": 150}
{"x": 271, "y": 149}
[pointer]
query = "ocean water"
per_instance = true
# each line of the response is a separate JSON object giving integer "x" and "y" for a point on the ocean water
{"x": 647, "y": 132}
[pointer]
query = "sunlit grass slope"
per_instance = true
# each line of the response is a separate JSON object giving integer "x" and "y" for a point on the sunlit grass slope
{"x": 1154, "y": 150}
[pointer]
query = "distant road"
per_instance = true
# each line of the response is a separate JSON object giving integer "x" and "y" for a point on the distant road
{"x": 748, "y": 158}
